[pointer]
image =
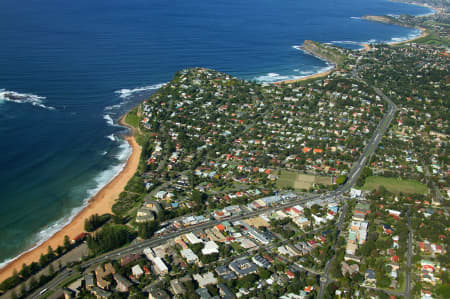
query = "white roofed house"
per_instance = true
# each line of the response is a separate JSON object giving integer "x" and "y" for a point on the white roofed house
{"x": 137, "y": 271}
{"x": 318, "y": 220}
{"x": 302, "y": 222}
{"x": 189, "y": 255}
{"x": 158, "y": 263}
{"x": 160, "y": 266}
{"x": 149, "y": 254}
{"x": 210, "y": 248}
{"x": 161, "y": 194}
{"x": 205, "y": 279}
{"x": 191, "y": 238}
{"x": 144, "y": 214}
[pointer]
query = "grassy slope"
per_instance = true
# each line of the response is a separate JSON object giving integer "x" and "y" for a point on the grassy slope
{"x": 132, "y": 118}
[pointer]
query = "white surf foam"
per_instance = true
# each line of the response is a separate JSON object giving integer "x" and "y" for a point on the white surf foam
{"x": 393, "y": 15}
{"x": 355, "y": 18}
{"x": 109, "y": 120}
{"x": 430, "y": 13}
{"x": 100, "y": 181}
{"x": 23, "y": 98}
{"x": 125, "y": 93}
{"x": 111, "y": 137}
{"x": 272, "y": 77}
{"x": 345, "y": 42}
{"x": 113, "y": 107}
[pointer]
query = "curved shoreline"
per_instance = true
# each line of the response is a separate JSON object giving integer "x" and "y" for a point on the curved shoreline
{"x": 100, "y": 203}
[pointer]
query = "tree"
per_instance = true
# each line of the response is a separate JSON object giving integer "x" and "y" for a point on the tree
{"x": 59, "y": 250}
{"x": 147, "y": 229}
{"x": 50, "y": 253}
{"x": 32, "y": 283}
{"x": 51, "y": 269}
{"x": 108, "y": 238}
{"x": 23, "y": 290}
{"x": 263, "y": 273}
{"x": 67, "y": 244}
{"x": 25, "y": 271}
{"x": 95, "y": 221}
{"x": 42, "y": 260}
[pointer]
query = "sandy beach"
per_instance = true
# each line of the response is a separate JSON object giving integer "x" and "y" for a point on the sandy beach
{"x": 100, "y": 204}
{"x": 423, "y": 33}
{"x": 318, "y": 75}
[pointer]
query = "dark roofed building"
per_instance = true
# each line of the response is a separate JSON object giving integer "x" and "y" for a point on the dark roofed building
{"x": 123, "y": 284}
{"x": 243, "y": 267}
{"x": 203, "y": 293}
{"x": 225, "y": 292}
{"x": 225, "y": 273}
{"x": 99, "y": 293}
{"x": 125, "y": 260}
{"x": 156, "y": 293}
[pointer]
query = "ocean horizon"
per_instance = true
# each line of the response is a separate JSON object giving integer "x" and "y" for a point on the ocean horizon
{"x": 68, "y": 72}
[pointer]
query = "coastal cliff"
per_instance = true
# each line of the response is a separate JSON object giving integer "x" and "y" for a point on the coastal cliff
{"x": 382, "y": 19}
{"x": 388, "y": 20}
{"x": 323, "y": 51}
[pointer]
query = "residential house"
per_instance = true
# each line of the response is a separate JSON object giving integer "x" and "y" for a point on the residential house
{"x": 189, "y": 255}
{"x": 203, "y": 293}
{"x": 100, "y": 293}
{"x": 243, "y": 267}
{"x": 137, "y": 271}
{"x": 210, "y": 248}
{"x": 225, "y": 273}
{"x": 157, "y": 293}
{"x": 205, "y": 279}
{"x": 225, "y": 292}
{"x": 177, "y": 287}
{"x": 370, "y": 277}
{"x": 123, "y": 284}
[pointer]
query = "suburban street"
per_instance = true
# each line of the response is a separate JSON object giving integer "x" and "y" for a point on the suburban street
{"x": 353, "y": 176}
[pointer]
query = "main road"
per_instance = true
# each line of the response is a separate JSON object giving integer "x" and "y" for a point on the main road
{"x": 358, "y": 166}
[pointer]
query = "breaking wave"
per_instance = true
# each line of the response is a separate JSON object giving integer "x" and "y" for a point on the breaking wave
{"x": 109, "y": 120}
{"x": 111, "y": 137}
{"x": 24, "y": 98}
{"x": 272, "y": 77}
{"x": 125, "y": 93}
{"x": 104, "y": 178}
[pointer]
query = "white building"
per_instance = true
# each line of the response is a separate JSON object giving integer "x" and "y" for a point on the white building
{"x": 206, "y": 279}
{"x": 192, "y": 239}
{"x": 210, "y": 248}
{"x": 137, "y": 271}
{"x": 189, "y": 255}
{"x": 160, "y": 266}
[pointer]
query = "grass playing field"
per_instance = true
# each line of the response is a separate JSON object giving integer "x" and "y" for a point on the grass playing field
{"x": 395, "y": 185}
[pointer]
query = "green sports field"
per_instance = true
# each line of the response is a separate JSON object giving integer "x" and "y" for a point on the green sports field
{"x": 395, "y": 185}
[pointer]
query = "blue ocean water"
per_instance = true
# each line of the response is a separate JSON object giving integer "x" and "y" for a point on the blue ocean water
{"x": 76, "y": 66}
